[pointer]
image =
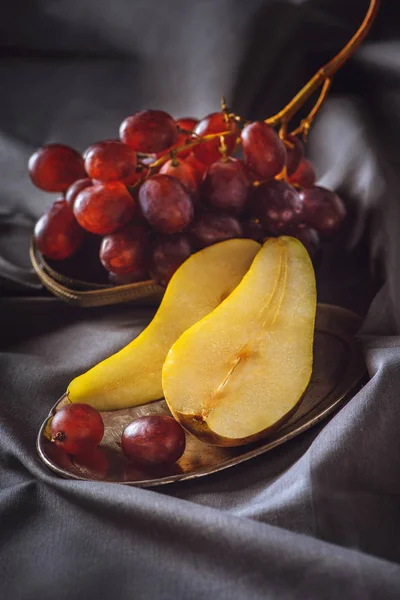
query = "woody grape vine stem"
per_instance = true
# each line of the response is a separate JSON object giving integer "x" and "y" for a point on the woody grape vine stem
{"x": 322, "y": 79}
{"x": 327, "y": 71}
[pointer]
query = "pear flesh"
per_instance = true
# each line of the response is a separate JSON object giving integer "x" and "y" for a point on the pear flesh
{"x": 132, "y": 376}
{"x": 237, "y": 374}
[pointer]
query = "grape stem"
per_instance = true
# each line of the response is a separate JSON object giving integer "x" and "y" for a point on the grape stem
{"x": 326, "y": 73}
{"x": 199, "y": 140}
{"x": 305, "y": 125}
{"x": 322, "y": 79}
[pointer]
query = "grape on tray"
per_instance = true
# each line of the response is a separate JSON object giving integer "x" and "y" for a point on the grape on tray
{"x": 210, "y": 228}
{"x": 208, "y": 152}
{"x": 149, "y": 131}
{"x": 103, "y": 207}
{"x": 277, "y": 205}
{"x": 75, "y": 188}
{"x": 199, "y": 168}
{"x": 57, "y": 234}
{"x": 294, "y": 153}
{"x": 77, "y": 428}
{"x": 183, "y": 171}
{"x": 323, "y": 210}
{"x": 166, "y": 203}
{"x": 305, "y": 175}
{"x": 153, "y": 440}
{"x": 169, "y": 252}
{"x": 55, "y": 167}
{"x": 126, "y": 251}
{"x": 264, "y": 153}
{"x": 110, "y": 161}
{"x": 226, "y": 186}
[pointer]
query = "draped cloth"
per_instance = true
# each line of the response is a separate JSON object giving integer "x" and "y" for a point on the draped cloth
{"x": 317, "y": 518}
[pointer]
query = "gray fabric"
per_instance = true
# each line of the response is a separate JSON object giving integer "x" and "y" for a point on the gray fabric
{"x": 317, "y": 518}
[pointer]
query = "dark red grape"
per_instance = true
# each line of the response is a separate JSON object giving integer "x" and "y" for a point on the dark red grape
{"x": 198, "y": 167}
{"x": 305, "y": 175}
{"x": 188, "y": 124}
{"x": 89, "y": 148}
{"x": 211, "y": 228}
{"x": 170, "y": 251}
{"x": 104, "y": 207}
{"x": 226, "y": 186}
{"x": 294, "y": 153}
{"x": 57, "y": 234}
{"x": 118, "y": 279}
{"x": 165, "y": 203}
{"x": 264, "y": 153}
{"x": 253, "y": 230}
{"x": 55, "y": 167}
{"x": 77, "y": 428}
{"x": 182, "y": 171}
{"x": 153, "y": 440}
{"x": 149, "y": 131}
{"x": 110, "y": 161}
{"x": 277, "y": 205}
{"x": 323, "y": 210}
{"x": 75, "y": 188}
{"x": 208, "y": 152}
{"x": 307, "y": 236}
{"x": 125, "y": 251}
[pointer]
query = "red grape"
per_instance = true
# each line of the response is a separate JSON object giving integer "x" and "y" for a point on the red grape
{"x": 226, "y": 186}
{"x": 110, "y": 161}
{"x": 210, "y": 228}
{"x": 104, "y": 207}
{"x": 118, "y": 279}
{"x": 149, "y": 131}
{"x": 75, "y": 188}
{"x": 208, "y": 152}
{"x": 294, "y": 153}
{"x": 182, "y": 171}
{"x": 323, "y": 210}
{"x": 57, "y": 234}
{"x": 264, "y": 153}
{"x": 199, "y": 168}
{"x": 305, "y": 175}
{"x": 165, "y": 203}
{"x": 170, "y": 251}
{"x": 188, "y": 124}
{"x": 277, "y": 205}
{"x": 77, "y": 428}
{"x": 254, "y": 230}
{"x": 153, "y": 440}
{"x": 89, "y": 148}
{"x": 125, "y": 251}
{"x": 55, "y": 167}
{"x": 307, "y": 236}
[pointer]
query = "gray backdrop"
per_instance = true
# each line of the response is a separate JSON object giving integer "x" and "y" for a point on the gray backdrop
{"x": 317, "y": 518}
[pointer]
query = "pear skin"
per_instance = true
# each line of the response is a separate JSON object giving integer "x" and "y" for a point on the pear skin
{"x": 240, "y": 372}
{"x": 132, "y": 376}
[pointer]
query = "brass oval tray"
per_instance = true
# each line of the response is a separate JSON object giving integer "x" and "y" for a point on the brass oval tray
{"x": 338, "y": 372}
{"x": 89, "y": 294}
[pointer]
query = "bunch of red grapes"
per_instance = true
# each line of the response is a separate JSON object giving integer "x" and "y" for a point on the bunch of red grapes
{"x": 167, "y": 189}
